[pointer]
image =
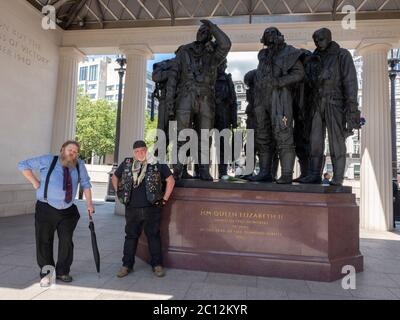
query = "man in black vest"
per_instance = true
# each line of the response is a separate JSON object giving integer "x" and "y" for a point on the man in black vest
{"x": 131, "y": 181}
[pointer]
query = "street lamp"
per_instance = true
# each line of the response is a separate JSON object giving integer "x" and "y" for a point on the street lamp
{"x": 121, "y": 72}
{"x": 393, "y": 61}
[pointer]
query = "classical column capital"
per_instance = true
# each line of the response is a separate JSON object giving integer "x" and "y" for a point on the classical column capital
{"x": 137, "y": 49}
{"x": 72, "y": 52}
{"x": 375, "y": 45}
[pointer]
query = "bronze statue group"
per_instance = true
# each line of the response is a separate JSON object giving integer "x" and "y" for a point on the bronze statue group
{"x": 294, "y": 97}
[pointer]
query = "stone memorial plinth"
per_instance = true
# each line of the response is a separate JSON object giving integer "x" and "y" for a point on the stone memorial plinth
{"x": 289, "y": 231}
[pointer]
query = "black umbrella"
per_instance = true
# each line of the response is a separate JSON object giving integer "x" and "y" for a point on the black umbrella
{"x": 95, "y": 248}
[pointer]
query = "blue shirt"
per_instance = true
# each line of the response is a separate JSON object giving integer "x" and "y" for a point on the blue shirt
{"x": 55, "y": 192}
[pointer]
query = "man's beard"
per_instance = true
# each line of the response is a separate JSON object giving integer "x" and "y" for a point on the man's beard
{"x": 68, "y": 162}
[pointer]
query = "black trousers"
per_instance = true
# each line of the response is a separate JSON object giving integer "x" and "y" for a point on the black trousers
{"x": 47, "y": 221}
{"x": 137, "y": 219}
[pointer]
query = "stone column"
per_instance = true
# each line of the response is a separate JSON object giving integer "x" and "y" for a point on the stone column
{"x": 376, "y": 208}
{"x": 67, "y": 85}
{"x": 134, "y": 103}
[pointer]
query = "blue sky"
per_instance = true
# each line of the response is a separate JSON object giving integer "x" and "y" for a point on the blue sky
{"x": 157, "y": 58}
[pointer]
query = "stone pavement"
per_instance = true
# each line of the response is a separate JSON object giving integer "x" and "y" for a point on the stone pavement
{"x": 19, "y": 272}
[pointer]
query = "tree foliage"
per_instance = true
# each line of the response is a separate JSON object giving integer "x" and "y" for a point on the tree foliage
{"x": 95, "y": 128}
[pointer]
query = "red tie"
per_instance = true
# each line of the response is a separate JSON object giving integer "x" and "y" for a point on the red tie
{"x": 67, "y": 185}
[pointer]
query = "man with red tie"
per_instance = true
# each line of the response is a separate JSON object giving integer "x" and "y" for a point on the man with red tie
{"x": 55, "y": 210}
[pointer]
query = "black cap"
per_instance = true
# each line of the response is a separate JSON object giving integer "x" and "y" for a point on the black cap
{"x": 139, "y": 144}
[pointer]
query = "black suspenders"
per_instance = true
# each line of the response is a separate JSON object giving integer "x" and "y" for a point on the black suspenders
{"x": 52, "y": 166}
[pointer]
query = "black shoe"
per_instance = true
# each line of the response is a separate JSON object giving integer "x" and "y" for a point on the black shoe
{"x": 265, "y": 162}
{"x": 186, "y": 175}
{"x": 285, "y": 179}
{"x": 334, "y": 182}
{"x": 204, "y": 171}
{"x": 312, "y": 179}
{"x": 65, "y": 278}
{"x": 262, "y": 176}
{"x": 299, "y": 178}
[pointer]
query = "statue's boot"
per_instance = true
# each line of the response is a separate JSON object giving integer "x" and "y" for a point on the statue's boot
{"x": 265, "y": 162}
{"x": 204, "y": 171}
{"x": 314, "y": 176}
{"x": 178, "y": 171}
{"x": 196, "y": 172}
{"x": 339, "y": 165}
{"x": 304, "y": 168}
{"x": 222, "y": 170}
{"x": 185, "y": 173}
{"x": 287, "y": 158}
{"x": 275, "y": 165}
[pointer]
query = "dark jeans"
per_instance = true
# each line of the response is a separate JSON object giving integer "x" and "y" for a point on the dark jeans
{"x": 47, "y": 221}
{"x": 137, "y": 219}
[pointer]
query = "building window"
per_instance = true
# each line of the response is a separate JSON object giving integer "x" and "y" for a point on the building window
{"x": 92, "y": 96}
{"x": 239, "y": 88}
{"x": 92, "y": 86}
{"x": 110, "y": 88}
{"x": 83, "y": 73}
{"x": 356, "y": 147}
{"x": 109, "y": 97}
{"x": 93, "y": 73}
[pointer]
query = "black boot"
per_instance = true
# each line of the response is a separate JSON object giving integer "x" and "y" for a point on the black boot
{"x": 287, "y": 158}
{"x": 304, "y": 168}
{"x": 178, "y": 171}
{"x": 222, "y": 170}
{"x": 204, "y": 171}
{"x": 275, "y": 165}
{"x": 265, "y": 162}
{"x": 185, "y": 173}
{"x": 314, "y": 176}
{"x": 339, "y": 165}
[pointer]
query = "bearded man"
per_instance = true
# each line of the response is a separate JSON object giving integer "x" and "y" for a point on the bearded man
{"x": 55, "y": 209}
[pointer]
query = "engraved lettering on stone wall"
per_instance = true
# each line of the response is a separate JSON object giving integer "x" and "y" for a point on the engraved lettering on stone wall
{"x": 20, "y": 47}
